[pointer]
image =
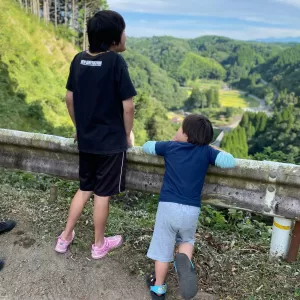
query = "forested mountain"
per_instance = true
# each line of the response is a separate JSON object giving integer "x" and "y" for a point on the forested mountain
{"x": 153, "y": 81}
{"x": 37, "y": 46}
{"x": 269, "y": 138}
{"x": 283, "y": 70}
{"x": 34, "y": 65}
{"x": 176, "y": 57}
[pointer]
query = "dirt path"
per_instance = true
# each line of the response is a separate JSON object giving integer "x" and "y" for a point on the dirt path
{"x": 34, "y": 271}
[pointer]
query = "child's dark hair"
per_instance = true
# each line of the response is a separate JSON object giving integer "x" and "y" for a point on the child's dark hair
{"x": 105, "y": 29}
{"x": 198, "y": 129}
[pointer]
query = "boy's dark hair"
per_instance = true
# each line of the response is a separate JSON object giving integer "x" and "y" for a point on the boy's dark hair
{"x": 104, "y": 29}
{"x": 198, "y": 129}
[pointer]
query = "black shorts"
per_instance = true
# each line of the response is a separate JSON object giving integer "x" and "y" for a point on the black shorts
{"x": 102, "y": 174}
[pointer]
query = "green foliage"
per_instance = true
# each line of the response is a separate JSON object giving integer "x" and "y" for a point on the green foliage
{"x": 285, "y": 99}
{"x": 278, "y": 156}
{"x": 283, "y": 70}
{"x": 275, "y": 138}
{"x": 167, "y": 52}
{"x": 34, "y": 67}
{"x": 149, "y": 78}
{"x": 290, "y": 56}
{"x": 203, "y": 99}
{"x": 195, "y": 66}
{"x": 235, "y": 143}
{"x": 32, "y": 82}
{"x": 234, "y": 221}
{"x": 151, "y": 122}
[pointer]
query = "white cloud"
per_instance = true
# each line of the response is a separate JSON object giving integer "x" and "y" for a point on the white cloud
{"x": 239, "y": 19}
{"x": 266, "y": 11}
{"x": 290, "y": 2}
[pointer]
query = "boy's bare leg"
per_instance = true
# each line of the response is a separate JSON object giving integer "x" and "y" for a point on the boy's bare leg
{"x": 101, "y": 211}
{"x": 187, "y": 249}
{"x": 79, "y": 201}
{"x": 161, "y": 271}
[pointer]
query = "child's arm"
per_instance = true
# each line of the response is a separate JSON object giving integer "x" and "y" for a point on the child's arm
{"x": 128, "y": 116}
{"x": 156, "y": 148}
{"x": 225, "y": 160}
{"x": 70, "y": 106}
{"x": 149, "y": 148}
{"x": 221, "y": 158}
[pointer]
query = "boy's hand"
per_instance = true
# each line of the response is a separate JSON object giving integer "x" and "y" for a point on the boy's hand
{"x": 130, "y": 140}
{"x": 75, "y": 138}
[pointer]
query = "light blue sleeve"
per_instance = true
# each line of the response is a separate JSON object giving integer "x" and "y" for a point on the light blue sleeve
{"x": 149, "y": 148}
{"x": 225, "y": 160}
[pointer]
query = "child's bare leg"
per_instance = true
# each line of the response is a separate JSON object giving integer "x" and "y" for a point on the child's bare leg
{"x": 101, "y": 211}
{"x": 79, "y": 201}
{"x": 161, "y": 271}
{"x": 187, "y": 249}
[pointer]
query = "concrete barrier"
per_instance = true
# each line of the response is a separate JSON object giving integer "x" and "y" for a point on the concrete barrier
{"x": 263, "y": 187}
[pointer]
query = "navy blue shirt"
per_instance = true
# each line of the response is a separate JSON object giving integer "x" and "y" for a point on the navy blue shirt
{"x": 186, "y": 166}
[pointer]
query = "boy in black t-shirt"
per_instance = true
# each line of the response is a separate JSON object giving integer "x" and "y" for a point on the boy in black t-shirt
{"x": 100, "y": 103}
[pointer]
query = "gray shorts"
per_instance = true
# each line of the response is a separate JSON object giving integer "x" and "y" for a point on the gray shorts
{"x": 174, "y": 223}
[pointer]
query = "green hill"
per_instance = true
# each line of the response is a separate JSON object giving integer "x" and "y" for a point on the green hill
{"x": 34, "y": 65}
{"x": 176, "y": 57}
{"x": 151, "y": 79}
{"x": 284, "y": 70}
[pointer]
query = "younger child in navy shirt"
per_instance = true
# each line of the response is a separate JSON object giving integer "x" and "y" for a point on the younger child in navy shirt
{"x": 187, "y": 159}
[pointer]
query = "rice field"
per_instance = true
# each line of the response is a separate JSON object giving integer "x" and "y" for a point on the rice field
{"x": 205, "y": 84}
{"x": 232, "y": 98}
{"x": 228, "y": 97}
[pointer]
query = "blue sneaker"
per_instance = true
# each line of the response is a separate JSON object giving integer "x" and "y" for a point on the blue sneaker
{"x": 154, "y": 289}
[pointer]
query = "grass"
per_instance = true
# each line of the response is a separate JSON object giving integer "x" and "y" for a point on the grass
{"x": 36, "y": 65}
{"x": 231, "y": 252}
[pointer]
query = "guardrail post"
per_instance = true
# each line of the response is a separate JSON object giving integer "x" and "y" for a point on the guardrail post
{"x": 295, "y": 244}
{"x": 280, "y": 240}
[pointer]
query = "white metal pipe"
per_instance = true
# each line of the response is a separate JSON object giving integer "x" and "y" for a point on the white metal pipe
{"x": 281, "y": 237}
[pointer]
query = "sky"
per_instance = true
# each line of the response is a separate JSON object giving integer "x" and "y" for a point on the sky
{"x": 238, "y": 19}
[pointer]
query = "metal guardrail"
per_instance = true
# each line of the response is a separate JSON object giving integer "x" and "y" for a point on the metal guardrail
{"x": 263, "y": 187}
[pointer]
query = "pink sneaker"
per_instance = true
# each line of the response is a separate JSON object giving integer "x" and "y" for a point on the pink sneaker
{"x": 110, "y": 243}
{"x": 62, "y": 245}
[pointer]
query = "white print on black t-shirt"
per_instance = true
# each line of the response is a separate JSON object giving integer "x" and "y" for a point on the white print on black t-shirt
{"x": 91, "y": 63}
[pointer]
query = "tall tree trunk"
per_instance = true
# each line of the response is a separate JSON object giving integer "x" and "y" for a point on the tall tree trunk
{"x": 46, "y": 11}
{"x": 73, "y": 19}
{"x": 73, "y": 14}
{"x": 66, "y": 9}
{"x": 84, "y": 46}
{"x": 37, "y": 8}
{"x": 55, "y": 12}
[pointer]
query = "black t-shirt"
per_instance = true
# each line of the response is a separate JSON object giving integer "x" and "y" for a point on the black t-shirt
{"x": 99, "y": 84}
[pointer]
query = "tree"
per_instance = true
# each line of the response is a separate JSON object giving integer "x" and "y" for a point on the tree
{"x": 211, "y": 100}
{"x": 55, "y": 13}
{"x": 46, "y": 11}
